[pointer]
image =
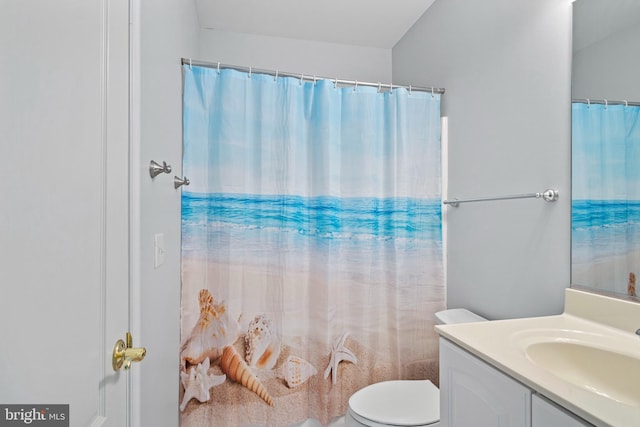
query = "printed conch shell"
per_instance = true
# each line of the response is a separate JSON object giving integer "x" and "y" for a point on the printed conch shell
{"x": 237, "y": 370}
{"x": 297, "y": 371}
{"x": 197, "y": 383}
{"x": 214, "y": 330}
{"x": 263, "y": 349}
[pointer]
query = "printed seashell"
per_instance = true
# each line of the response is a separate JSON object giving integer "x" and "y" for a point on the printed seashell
{"x": 297, "y": 371}
{"x": 263, "y": 349}
{"x": 197, "y": 383}
{"x": 237, "y": 370}
{"x": 214, "y": 330}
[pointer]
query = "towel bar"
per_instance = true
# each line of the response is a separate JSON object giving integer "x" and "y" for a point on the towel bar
{"x": 547, "y": 195}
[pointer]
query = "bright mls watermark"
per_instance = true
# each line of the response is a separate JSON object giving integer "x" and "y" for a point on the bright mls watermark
{"x": 34, "y": 415}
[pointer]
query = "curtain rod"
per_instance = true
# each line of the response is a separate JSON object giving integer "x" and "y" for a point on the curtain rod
{"x": 311, "y": 78}
{"x": 606, "y": 102}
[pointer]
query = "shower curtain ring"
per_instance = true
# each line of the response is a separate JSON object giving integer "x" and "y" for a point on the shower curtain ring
{"x": 249, "y": 76}
{"x": 218, "y": 68}
{"x": 606, "y": 104}
{"x": 276, "y": 77}
{"x": 355, "y": 87}
{"x": 588, "y": 103}
{"x": 301, "y": 78}
{"x": 409, "y": 90}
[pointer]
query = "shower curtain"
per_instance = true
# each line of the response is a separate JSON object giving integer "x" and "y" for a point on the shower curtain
{"x": 311, "y": 245}
{"x": 606, "y": 196}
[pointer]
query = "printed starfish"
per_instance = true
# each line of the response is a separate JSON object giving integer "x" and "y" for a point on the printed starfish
{"x": 198, "y": 382}
{"x": 339, "y": 353}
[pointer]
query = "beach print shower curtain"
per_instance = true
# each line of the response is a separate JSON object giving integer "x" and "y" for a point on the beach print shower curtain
{"x": 311, "y": 245}
{"x": 606, "y": 196}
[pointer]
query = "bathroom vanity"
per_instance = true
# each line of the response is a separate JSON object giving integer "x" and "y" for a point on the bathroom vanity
{"x": 472, "y": 392}
{"x": 580, "y": 368}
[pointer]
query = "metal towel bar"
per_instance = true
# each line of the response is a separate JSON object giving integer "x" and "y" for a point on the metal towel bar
{"x": 547, "y": 195}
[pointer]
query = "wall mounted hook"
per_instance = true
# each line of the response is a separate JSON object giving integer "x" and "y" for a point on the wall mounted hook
{"x": 177, "y": 181}
{"x": 156, "y": 168}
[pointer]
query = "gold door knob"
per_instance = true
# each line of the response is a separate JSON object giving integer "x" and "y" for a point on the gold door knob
{"x": 124, "y": 353}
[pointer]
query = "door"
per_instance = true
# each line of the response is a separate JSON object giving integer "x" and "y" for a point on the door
{"x": 64, "y": 207}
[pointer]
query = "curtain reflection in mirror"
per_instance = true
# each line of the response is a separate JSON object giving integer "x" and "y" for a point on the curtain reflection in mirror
{"x": 606, "y": 196}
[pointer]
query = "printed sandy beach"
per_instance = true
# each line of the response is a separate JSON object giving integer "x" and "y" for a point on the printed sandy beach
{"x": 380, "y": 355}
{"x": 609, "y": 274}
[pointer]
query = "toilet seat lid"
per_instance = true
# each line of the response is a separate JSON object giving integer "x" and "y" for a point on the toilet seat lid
{"x": 399, "y": 403}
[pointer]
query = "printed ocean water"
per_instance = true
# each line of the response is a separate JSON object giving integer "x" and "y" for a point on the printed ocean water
{"x": 602, "y": 229}
{"x": 268, "y": 223}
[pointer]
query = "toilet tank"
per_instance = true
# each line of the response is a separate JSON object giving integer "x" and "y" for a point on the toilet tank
{"x": 457, "y": 315}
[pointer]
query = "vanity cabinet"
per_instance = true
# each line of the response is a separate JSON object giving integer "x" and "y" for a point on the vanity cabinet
{"x": 474, "y": 393}
{"x": 545, "y": 413}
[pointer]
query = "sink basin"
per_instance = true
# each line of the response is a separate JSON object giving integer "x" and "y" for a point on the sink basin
{"x": 608, "y": 373}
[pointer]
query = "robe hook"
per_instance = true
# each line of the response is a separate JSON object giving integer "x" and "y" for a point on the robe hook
{"x": 156, "y": 168}
{"x": 177, "y": 181}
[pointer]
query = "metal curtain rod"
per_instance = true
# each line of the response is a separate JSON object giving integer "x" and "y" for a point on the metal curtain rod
{"x": 606, "y": 102}
{"x": 310, "y": 78}
{"x": 547, "y": 195}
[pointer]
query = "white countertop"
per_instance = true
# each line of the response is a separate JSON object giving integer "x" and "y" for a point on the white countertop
{"x": 603, "y": 322}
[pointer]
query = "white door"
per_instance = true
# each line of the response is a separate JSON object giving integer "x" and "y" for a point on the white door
{"x": 64, "y": 206}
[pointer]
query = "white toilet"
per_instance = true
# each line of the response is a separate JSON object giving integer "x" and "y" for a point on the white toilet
{"x": 404, "y": 402}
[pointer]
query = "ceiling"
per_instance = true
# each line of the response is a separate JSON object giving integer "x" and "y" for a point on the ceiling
{"x": 371, "y": 23}
{"x": 377, "y": 23}
{"x": 594, "y": 20}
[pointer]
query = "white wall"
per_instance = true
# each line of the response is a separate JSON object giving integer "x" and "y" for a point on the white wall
{"x": 609, "y": 69}
{"x": 329, "y": 60}
{"x": 505, "y": 65}
{"x": 169, "y": 31}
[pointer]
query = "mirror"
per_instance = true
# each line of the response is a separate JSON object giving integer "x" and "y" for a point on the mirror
{"x": 605, "y": 235}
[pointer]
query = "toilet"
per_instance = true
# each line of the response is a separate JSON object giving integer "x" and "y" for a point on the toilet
{"x": 404, "y": 403}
